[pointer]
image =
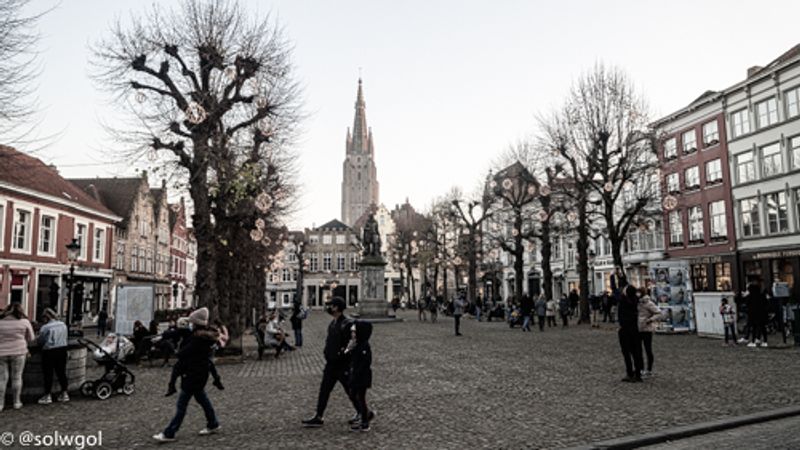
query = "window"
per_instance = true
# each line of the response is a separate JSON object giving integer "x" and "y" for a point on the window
{"x": 2, "y": 222}
{"x": 327, "y": 239}
{"x": 771, "y": 159}
{"x": 570, "y": 254}
{"x": 710, "y": 133}
{"x": 718, "y": 220}
{"x": 80, "y": 235}
{"x": 794, "y": 154}
{"x": 675, "y": 229}
{"x": 291, "y": 256}
{"x": 670, "y": 149}
{"x": 21, "y": 240}
{"x": 340, "y": 261}
{"x": 689, "y": 141}
{"x": 722, "y": 276}
{"x": 313, "y": 239}
{"x": 99, "y": 245}
{"x": 797, "y": 206}
{"x": 691, "y": 178}
{"x": 46, "y": 229}
{"x": 777, "y": 213}
{"x": 699, "y": 277}
{"x": 314, "y": 262}
{"x": 134, "y": 259}
{"x": 557, "y": 248}
{"x": 119, "y": 263}
{"x": 286, "y": 275}
{"x": 766, "y": 113}
{"x": 713, "y": 171}
{"x": 745, "y": 167}
{"x": 142, "y": 260}
{"x": 748, "y": 209}
{"x": 695, "y": 224}
{"x": 353, "y": 261}
{"x": 793, "y": 102}
{"x": 740, "y": 123}
{"x": 326, "y": 261}
{"x": 673, "y": 183}
{"x": 340, "y": 239}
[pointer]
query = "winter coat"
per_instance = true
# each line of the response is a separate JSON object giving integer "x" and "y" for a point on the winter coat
{"x": 527, "y": 306}
{"x": 361, "y": 358}
{"x": 649, "y": 314}
{"x": 551, "y": 308}
{"x": 757, "y": 305}
{"x": 563, "y": 306}
{"x": 541, "y": 307}
{"x": 628, "y": 313}
{"x": 193, "y": 360}
{"x": 574, "y": 299}
{"x": 458, "y": 306}
{"x": 336, "y": 342}
{"x": 727, "y": 313}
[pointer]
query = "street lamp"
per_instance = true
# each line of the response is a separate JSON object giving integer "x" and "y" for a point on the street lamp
{"x": 73, "y": 250}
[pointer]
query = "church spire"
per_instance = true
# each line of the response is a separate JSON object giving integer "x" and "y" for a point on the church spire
{"x": 360, "y": 130}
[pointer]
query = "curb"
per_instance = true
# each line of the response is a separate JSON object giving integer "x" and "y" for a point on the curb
{"x": 682, "y": 432}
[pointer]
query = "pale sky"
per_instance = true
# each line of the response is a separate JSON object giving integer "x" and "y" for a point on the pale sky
{"x": 448, "y": 84}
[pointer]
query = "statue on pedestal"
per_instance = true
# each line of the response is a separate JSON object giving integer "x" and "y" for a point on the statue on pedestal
{"x": 371, "y": 238}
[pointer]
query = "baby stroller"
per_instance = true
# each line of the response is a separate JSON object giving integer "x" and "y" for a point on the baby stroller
{"x": 117, "y": 377}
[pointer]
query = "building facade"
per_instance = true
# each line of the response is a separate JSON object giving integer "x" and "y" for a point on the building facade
{"x": 40, "y": 213}
{"x": 333, "y": 252}
{"x": 359, "y": 175}
{"x": 179, "y": 255}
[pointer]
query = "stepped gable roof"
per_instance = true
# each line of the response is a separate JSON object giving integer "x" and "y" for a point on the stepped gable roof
{"x": 118, "y": 194}
{"x": 157, "y": 193}
{"x": 25, "y": 171}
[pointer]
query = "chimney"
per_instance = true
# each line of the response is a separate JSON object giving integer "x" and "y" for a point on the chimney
{"x": 55, "y": 169}
{"x": 753, "y": 70}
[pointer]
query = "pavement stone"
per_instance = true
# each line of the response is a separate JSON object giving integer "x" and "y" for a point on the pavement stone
{"x": 492, "y": 388}
{"x": 778, "y": 434}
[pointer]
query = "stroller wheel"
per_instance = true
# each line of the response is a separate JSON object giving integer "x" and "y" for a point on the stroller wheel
{"x": 128, "y": 389}
{"x": 87, "y": 388}
{"x": 103, "y": 390}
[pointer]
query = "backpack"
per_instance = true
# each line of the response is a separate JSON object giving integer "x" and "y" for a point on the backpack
{"x": 303, "y": 313}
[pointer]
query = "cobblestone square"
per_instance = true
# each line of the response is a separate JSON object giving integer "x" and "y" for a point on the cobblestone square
{"x": 492, "y": 388}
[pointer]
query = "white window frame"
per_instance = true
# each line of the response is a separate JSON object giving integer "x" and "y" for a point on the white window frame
{"x": 755, "y": 226}
{"x": 3, "y": 209}
{"x": 793, "y": 143}
{"x": 84, "y": 245}
{"x": 696, "y": 231}
{"x": 775, "y": 155}
{"x": 711, "y": 137}
{"x": 53, "y": 233}
{"x": 676, "y": 228}
{"x": 340, "y": 239}
{"x": 717, "y": 163}
{"x": 768, "y": 211}
{"x": 101, "y": 247}
{"x": 717, "y": 220}
{"x": 752, "y": 163}
{"x": 670, "y": 149}
{"x": 327, "y": 239}
{"x": 693, "y": 184}
{"x": 771, "y": 105}
{"x": 28, "y": 248}
{"x": 689, "y": 145}
{"x": 740, "y": 122}
{"x": 792, "y": 98}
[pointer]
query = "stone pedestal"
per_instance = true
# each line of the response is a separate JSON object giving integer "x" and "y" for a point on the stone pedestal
{"x": 372, "y": 302}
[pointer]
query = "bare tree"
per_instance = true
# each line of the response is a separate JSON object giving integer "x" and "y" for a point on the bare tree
{"x": 18, "y": 70}
{"x": 209, "y": 92}
{"x": 471, "y": 215}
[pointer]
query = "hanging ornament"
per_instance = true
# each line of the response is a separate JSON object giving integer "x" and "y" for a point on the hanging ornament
{"x": 266, "y": 242}
{"x": 261, "y": 101}
{"x": 256, "y": 234}
{"x": 608, "y": 187}
{"x": 507, "y": 184}
{"x": 493, "y": 184}
{"x": 140, "y": 97}
{"x": 457, "y": 261}
{"x": 541, "y": 215}
{"x": 515, "y": 232}
{"x": 532, "y": 190}
{"x": 195, "y": 113}
{"x": 263, "y": 202}
{"x": 572, "y": 216}
{"x": 670, "y": 202}
{"x": 544, "y": 190}
{"x": 260, "y": 223}
{"x": 230, "y": 73}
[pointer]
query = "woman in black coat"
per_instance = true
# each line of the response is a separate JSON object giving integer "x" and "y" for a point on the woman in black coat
{"x": 360, "y": 378}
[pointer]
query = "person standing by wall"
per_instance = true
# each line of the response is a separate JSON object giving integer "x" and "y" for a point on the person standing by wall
{"x": 649, "y": 315}
{"x": 728, "y": 321}
{"x": 53, "y": 340}
{"x": 15, "y": 334}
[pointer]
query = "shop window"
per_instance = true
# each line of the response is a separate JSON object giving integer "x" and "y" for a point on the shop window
{"x": 699, "y": 277}
{"x": 783, "y": 271}
{"x": 722, "y": 276}
{"x": 752, "y": 271}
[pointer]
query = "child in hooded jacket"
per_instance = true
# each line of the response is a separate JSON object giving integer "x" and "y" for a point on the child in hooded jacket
{"x": 360, "y": 378}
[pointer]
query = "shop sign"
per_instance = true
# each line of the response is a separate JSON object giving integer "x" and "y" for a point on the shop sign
{"x": 777, "y": 254}
{"x": 706, "y": 260}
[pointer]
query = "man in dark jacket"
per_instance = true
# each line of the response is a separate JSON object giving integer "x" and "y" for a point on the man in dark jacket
{"x": 629, "y": 340}
{"x": 336, "y": 361}
{"x": 193, "y": 368}
{"x": 758, "y": 313}
{"x": 298, "y": 315}
{"x": 360, "y": 372}
{"x": 526, "y": 308}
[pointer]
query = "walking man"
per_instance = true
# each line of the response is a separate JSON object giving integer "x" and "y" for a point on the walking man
{"x": 458, "y": 310}
{"x": 527, "y": 311}
{"x": 336, "y": 361}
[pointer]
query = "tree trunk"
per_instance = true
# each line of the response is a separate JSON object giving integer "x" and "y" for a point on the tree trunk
{"x": 547, "y": 268}
{"x": 519, "y": 256}
{"x": 583, "y": 259}
{"x": 204, "y": 233}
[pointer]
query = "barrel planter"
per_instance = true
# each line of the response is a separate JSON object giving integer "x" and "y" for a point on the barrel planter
{"x": 33, "y": 379}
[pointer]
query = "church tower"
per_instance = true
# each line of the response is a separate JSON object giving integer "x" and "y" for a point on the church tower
{"x": 360, "y": 178}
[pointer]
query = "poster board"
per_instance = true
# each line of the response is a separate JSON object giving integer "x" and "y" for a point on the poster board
{"x": 672, "y": 292}
{"x": 133, "y": 303}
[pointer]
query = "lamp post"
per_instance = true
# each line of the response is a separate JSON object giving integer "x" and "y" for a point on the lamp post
{"x": 73, "y": 250}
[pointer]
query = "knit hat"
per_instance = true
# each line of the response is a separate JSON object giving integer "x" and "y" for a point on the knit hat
{"x": 50, "y": 313}
{"x": 199, "y": 317}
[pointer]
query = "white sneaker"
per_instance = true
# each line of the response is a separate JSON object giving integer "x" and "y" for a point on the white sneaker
{"x": 17, "y": 405}
{"x": 161, "y": 438}
{"x": 206, "y": 431}
{"x": 752, "y": 344}
{"x": 64, "y": 397}
{"x": 46, "y": 400}
{"x": 742, "y": 340}
{"x": 764, "y": 344}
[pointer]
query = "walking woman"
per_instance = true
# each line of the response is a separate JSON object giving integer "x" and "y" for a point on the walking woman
{"x": 551, "y": 313}
{"x": 541, "y": 310}
{"x": 15, "y": 334}
{"x": 649, "y": 315}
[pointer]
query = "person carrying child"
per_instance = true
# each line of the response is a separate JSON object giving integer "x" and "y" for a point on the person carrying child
{"x": 728, "y": 321}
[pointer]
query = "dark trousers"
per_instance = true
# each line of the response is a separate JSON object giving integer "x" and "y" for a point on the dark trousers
{"x": 298, "y": 337}
{"x": 606, "y": 314}
{"x": 730, "y": 329}
{"x": 101, "y": 328}
{"x": 759, "y": 330}
{"x": 360, "y": 402}
{"x": 457, "y": 320}
{"x": 541, "y": 323}
{"x": 647, "y": 341}
{"x": 631, "y": 346}
{"x": 551, "y": 321}
{"x": 565, "y": 320}
{"x": 54, "y": 360}
{"x": 330, "y": 376}
{"x": 180, "y": 411}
